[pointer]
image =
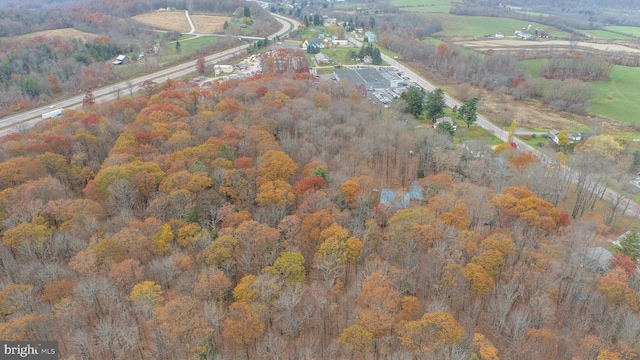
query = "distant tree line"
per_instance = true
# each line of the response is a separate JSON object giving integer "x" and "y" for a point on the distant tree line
{"x": 591, "y": 11}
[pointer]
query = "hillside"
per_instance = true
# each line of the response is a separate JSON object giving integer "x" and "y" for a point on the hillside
{"x": 265, "y": 219}
{"x": 51, "y": 53}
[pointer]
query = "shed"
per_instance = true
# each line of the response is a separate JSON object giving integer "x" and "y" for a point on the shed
{"x": 322, "y": 59}
{"x": 120, "y": 60}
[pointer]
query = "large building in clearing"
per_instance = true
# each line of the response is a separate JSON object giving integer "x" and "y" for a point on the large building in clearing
{"x": 371, "y": 77}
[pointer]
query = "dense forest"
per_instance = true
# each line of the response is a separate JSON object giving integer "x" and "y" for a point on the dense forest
{"x": 246, "y": 220}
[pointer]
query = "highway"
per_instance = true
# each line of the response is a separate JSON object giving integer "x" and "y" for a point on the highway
{"x": 29, "y": 118}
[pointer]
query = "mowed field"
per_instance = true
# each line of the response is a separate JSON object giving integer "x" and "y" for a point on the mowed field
{"x": 171, "y": 20}
{"x": 63, "y": 33}
{"x": 604, "y": 34}
{"x": 429, "y": 6}
{"x": 457, "y": 25}
{"x": 613, "y": 99}
{"x": 632, "y": 30}
{"x": 208, "y": 24}
{"x": 617, "y": 98}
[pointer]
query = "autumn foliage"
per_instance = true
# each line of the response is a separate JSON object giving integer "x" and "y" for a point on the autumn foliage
{"x": 258, "y": 225}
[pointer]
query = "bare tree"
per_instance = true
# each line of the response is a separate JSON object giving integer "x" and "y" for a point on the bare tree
{"x": 130, "y": 87}
{"x": 117, "y": 89}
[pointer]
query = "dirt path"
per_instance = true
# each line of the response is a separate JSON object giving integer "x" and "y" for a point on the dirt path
{"x": 193, "y": 28}
{"x": 511, "y": 44}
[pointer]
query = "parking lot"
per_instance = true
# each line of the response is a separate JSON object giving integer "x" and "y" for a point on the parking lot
{"x": 383, "y": 83}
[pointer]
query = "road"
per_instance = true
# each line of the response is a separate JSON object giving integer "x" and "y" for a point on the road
{"x": 27, "y": 119}
{"x": 193, "y": 28}
{"x": 633, "y": 208}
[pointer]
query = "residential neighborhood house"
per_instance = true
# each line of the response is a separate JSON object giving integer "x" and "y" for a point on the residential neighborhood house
{"x": 312, "y": 42}
{"x": 371, "y": 37}
{"x": 400, "y": 199}
{"x": 573, "y": 137}
{"x": 322, "y": 59}
{"x": 447, "y": 120}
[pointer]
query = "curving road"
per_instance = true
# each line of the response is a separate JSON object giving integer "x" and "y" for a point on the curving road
{"x": 631, "y": 207}
{"x": 26, "y": 119}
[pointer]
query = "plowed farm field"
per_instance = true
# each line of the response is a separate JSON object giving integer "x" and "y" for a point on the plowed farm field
{"x": 208, "y": 24}
{"x": 509, "y": 44}
{"x": 171, "y": 20}
{"x": 64, "y": 33}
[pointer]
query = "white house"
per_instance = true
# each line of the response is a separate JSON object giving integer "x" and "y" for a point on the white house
{"x": 339, "y": 43}
{"x": 330, "y": 21}
{"x": 573, "y": 137}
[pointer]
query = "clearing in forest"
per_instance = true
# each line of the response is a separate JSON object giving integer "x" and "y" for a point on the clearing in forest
{"x": 170, "y": 20}
{"x": 208, "y": 24}
{"x": 70, "y": 33}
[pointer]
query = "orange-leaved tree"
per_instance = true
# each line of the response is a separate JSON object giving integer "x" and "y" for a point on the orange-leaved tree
{"x": 520, "y": 203}
{"x": 433, "y": 332}
{"x": 242, "y": 325}
{"x": 276, "y": 165}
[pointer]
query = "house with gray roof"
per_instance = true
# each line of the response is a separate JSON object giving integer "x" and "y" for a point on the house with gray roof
{"x": 401, "y": 199}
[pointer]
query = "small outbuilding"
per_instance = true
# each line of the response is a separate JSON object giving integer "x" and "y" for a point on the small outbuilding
{"x": 121, "y": 59}
{"x": 322, "y": 59}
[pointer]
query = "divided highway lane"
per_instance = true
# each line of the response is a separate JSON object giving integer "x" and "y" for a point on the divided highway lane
{"x": 29, "y": 118}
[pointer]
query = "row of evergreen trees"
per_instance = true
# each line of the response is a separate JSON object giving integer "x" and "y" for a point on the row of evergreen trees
{"x": 370, "y": 50}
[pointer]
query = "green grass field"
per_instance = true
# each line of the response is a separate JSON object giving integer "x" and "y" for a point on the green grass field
{"x": 312, "y": 31}
{"x": 631, "y": 30}
{"x": 534, "y": 66}
{"x": 456, "y": 25}
{"x": 340, "y": 56}
{"x": 433, "y": 41}
{"x": 428, "y": 6}
{"x": 603, "y": 34}
{"x": 616, "y": 99}
{"x": 349, "y": 5}
{"x": 187, "y": 47}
